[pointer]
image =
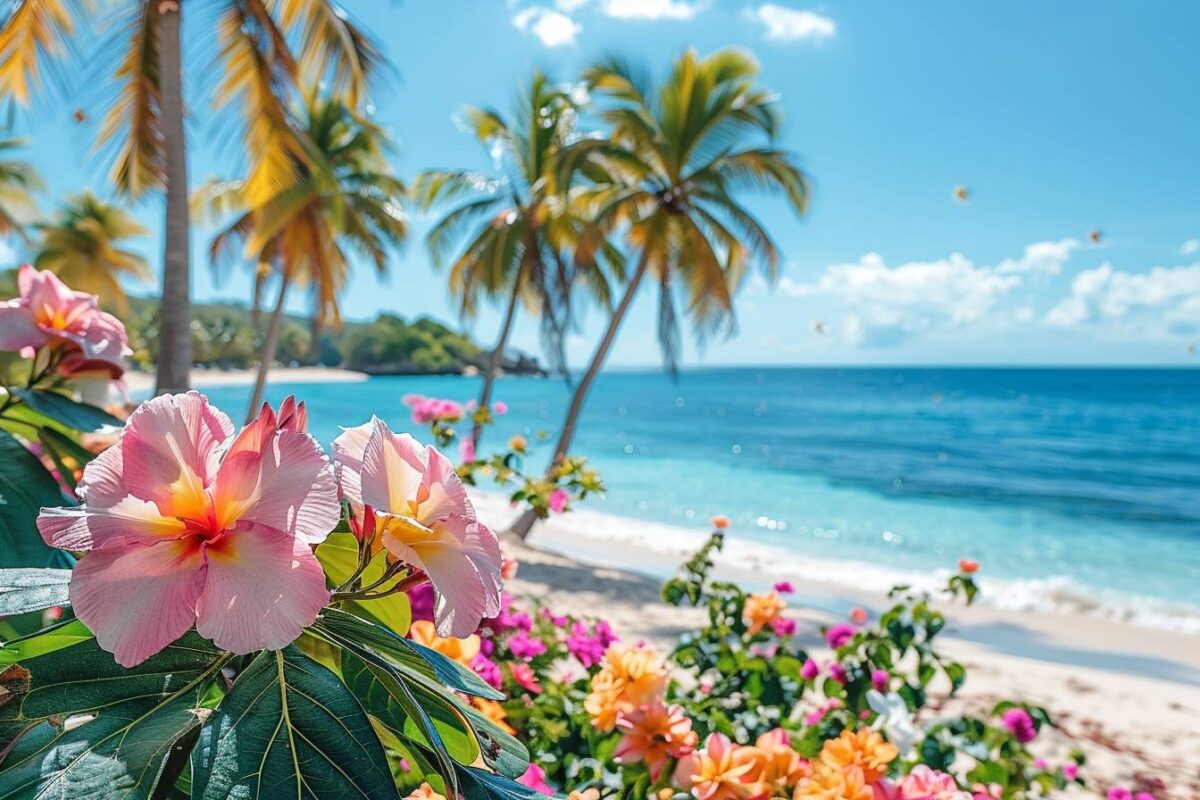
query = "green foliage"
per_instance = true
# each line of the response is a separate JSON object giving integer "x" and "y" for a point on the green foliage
{"x": 25, "y": 487}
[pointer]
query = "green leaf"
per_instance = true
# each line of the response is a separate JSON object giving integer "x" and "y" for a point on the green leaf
{"x": 342, "y": 627}
{"x": 61, "y": 447}
{"x": 47, "y": 640}
{"x": 68, "y": 412}
{"x": 25, "y": 488}
{"x": 339, "y": 555}
{"x": 137, "y": 716}
{"x": 23, "y": 590}
{"x": 477, "y": 784}
{"x": 289, "y": 728}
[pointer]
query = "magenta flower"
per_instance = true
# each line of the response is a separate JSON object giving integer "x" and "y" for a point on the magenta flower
{"x": 838, "y": 672}
{"x": 1070, "y": 770}
{"x": 188, "y": 525}
{"x": 558, "y": 500}
{"x": 785, "y": 587}
{"x": 838, "y": 635}
{"x": 782, "y": 626}
{"x": 500, "y": 408}
{"x": 1119, "y": 793}
{"x": 524, "y": 646}
{"x": 1020, "y": 725}
{"x": 605, "y": 633}
{"x": 488, "y": 670}
{"x": 466, "y": 450}
{"x": 588, "y": 649}
{"x": 535, "y": 778}
{"x": 880, "y": 680}
{"x": 49, "y": 314}
{"x": 810, "y": 670}
{"x": 423, "y": 518}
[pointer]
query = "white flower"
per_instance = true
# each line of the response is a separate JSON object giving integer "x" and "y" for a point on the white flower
{"x": 895, "y": 720}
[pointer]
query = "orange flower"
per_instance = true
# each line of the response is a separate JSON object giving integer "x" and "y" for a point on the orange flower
{"x": 834, "y": 784}
{"x": 761, "y": 609}
{"x": 968, "y": 566}
{"x": 422, "y": 631}
{"x": 425, "y": 792}
{"x": 718, "y": 772}
{"x": 720, "y": 522}
{"x": 654, "y": 733}
{"x": 518, "y": 443}
{"x": 629, "y": 677}
{"x": 494, "y": 712}
{"x": 591, "y": 793}
{"x": 775, "y": 765}
{"x": 864, "y": 749}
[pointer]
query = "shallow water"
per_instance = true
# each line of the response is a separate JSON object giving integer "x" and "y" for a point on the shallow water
{"x": 1081, "y": 487}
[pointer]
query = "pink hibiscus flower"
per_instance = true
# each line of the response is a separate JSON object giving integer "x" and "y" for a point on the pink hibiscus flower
{"x": 188, "y": 525}
{"x": 424, "y": 519}
{"x": 49, "y": 313}
{"x": 924, "y": 783}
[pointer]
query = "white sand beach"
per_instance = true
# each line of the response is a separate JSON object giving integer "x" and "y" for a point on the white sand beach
{"x": 140, "y": 382}
{"x": 1127, "y": 695}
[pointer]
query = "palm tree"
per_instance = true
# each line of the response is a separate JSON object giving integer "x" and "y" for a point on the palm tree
{"x": 18, "y": 182}
{"x": 510, "y": 232}
{"x": 344, "y": 196}
{"x": 82, "y": 246}
{"x": 666, "y": 178}
{"x": 260, "y": 71}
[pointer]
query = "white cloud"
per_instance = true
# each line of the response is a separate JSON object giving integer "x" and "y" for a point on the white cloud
{"x": 1161, "y": 302}
{"x": 782, "y": 24}
{"x": 1042, "y": 257}
{"x": 553, "y": 28}
{"x": 1189, "y": 247}
{"x": 652, "y": 9}
{"x": 888, "y": 304}
{"x": 569, "y": 5}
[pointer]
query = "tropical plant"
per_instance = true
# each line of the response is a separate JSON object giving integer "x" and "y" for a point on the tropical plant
{"x": 344, "y": 196}
{"x": 82, "y": 246}
{"x": 18, "y": 182}
{"x": 510, "y": 233}
{"x": 667, "y": 179}
{"x": 260, "y": 71}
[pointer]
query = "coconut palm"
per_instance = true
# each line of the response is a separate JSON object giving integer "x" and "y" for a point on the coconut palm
{"x": 344, "y": 198}
{"x": 263, "y": 48}
{"x": 667, "y": 178}
{"x": 82, "y": 246}
{"x": 509, "y": 232}
{"x": 18, "y": 182}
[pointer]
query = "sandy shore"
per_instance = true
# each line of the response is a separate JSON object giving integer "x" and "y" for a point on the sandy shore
{"x": 1128, "y": 696}
{"x": 139, "y": 382}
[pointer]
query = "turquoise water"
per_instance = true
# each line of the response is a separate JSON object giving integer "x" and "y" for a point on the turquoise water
{"x": 1077, "y": 486}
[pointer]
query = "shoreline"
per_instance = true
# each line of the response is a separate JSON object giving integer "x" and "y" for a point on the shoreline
{"x": 140, "y": 382}
{"x": 1128, "y": 696}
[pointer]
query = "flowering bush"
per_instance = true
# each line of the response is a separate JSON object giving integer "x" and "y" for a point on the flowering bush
{"x": 198, "y": 611}
{"x": 570, "y": 480}
{"x": 737, "y": 711}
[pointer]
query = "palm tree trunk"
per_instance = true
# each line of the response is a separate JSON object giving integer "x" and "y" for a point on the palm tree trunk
{"x": 485, "y": 394}
{"x": 174, "y": 359}
{"x": 270, "y": 343}
{"x": 526, "y": 521}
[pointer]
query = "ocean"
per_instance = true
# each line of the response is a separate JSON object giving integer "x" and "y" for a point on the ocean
{"x": 1076, "y": 489}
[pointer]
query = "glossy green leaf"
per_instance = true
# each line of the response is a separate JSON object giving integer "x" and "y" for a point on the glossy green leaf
{"x": 60, "y": 448}
{"x": 25, "y": 488}
{"x": 68, "y": 412}
{"x": 133, "y": 717}
{"x": 289, "y": 728}
{"x": 342, "y": 627}
{"x": 23, "y": 590}
{"x": 56, "y": 637}
{"x": 339, "y": 555}
{"x": 478, "y": 784}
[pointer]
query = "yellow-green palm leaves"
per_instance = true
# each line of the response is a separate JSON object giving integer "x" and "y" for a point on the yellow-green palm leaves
{"x": 345, "y": 199}
{"x": 265, "y": 50}
{"x": 670, "y": 173}
{"x": 18, "y": 182}
{"x": 82, "y": 245}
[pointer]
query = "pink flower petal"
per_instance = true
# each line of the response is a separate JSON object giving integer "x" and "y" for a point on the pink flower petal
{"x": 392, "y": 467}
{"x": 287, "y": 485}
{"x": 462, "y": 559}
{"x": 348, "y": 450}
{"x": 447, "y": 495}
{"x": 18, "y": 329}
{"x": 129, "y": 521}
{"x": 263, "y": 589}
{"x": 171, "y": 449}
{"x": 138, "y": 599}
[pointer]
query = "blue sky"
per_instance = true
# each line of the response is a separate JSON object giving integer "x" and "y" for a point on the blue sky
{"x": 1060, "y": 119}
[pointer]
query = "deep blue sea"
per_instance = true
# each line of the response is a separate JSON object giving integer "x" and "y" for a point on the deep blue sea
{"x": 1078, "y": 487}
